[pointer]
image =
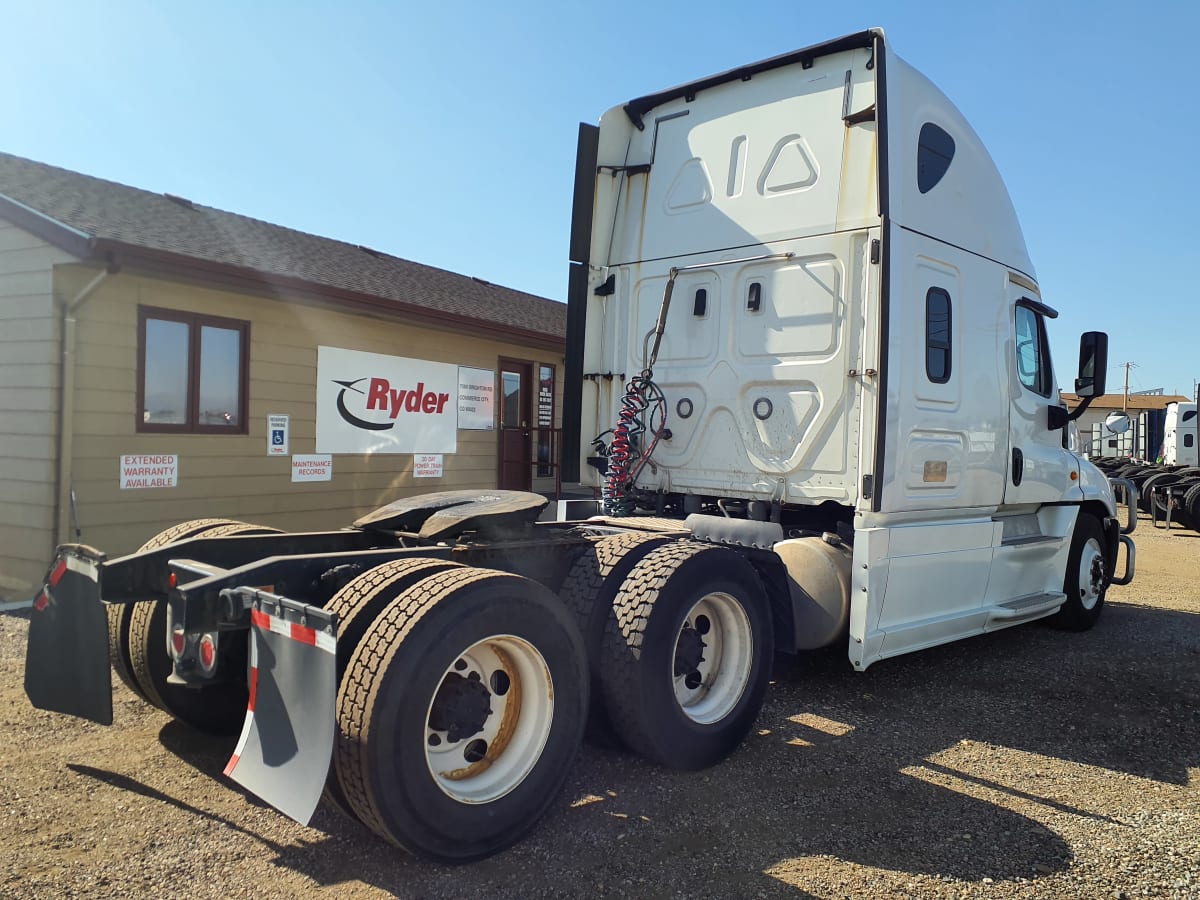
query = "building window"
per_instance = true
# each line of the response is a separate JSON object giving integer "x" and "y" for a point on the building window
{"x": 1033, "y": 352}
{"x": 937, "y": 335}
{"x": 192, "y": 372}
{"x": 935, "y": 150}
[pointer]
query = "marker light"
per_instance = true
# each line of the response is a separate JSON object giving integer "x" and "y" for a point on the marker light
{"x": 208, "y": 652}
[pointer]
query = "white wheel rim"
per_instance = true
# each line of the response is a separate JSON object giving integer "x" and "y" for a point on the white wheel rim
{"x": 510, "y": 678}
{"x": 709, "y": 689}
{"x": 1091, "y": 574}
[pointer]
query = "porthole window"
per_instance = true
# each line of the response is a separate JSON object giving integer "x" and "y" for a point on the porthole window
{"x": 935, "y": 150}
{"x": 937, "y": 335}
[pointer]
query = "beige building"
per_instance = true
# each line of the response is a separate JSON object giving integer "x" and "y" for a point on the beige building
{"x": 145, "y": 340}
{"x": 1144, "y": 436}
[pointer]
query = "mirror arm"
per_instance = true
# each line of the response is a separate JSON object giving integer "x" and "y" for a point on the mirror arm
{"x": 1078, "y": 411}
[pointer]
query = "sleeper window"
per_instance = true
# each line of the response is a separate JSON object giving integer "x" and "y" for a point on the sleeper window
{"x": 937, "y": 335}
{"x": 935, "y": 151}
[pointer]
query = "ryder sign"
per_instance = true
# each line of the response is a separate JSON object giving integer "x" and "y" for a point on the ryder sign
{"x": 371, "y": 403}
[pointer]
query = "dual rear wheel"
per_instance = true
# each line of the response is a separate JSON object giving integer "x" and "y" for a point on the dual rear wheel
{"x": 460, "y": 709}
{"x": 137, "y": 635}
{"x": 461, "y": 703}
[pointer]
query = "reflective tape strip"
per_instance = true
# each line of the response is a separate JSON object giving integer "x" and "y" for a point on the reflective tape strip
{"x": 59, "y": 570}
{"x": 83, "y": 567}
{"x": 253, "y": 689}
{"x": 42, "y": 601}
{"x": 301, "y": 633}
{"x": 241, "y": 744}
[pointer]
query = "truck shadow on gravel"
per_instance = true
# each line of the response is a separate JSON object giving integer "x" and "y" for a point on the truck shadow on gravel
{"x": 947, "y": 763}
{"x": 934, "y": 765}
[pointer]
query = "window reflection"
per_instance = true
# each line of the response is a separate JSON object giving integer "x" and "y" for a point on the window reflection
{"x": 511, "y": 414}
{"x": 220, "y": 376}
{"x": 166, "y": 393}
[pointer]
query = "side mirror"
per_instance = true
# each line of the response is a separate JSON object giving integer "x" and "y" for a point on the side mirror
{"x": 1093, "y": 364}
{"x": 1117, "y": 422}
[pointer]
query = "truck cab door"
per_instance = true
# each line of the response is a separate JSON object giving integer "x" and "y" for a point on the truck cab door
{"x": 1039, "y": 466}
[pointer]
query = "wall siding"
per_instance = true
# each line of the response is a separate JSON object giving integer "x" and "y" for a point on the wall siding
{"x": 29, "y": 357}
{"x": 231, "y": 475}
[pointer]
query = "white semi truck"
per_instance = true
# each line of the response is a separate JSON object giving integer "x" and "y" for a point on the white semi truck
{"x": 1180, "y": 444}
{"x": 808, "y": 368}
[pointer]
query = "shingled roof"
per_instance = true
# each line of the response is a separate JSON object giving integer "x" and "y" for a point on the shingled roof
{"x": 1134, "y": 401}
{"x": 97, "y": 219}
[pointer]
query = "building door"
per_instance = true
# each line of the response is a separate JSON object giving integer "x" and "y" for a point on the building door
{"x": 516, "y": 396}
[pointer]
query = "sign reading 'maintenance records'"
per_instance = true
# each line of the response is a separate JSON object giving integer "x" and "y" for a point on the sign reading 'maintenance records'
{"x": 371, "y": 403}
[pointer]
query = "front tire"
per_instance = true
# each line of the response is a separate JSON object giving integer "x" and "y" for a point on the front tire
{"x": 687, "y": 654}
{"x": 452, "y": 766}
{"x": 1087, "y": 577}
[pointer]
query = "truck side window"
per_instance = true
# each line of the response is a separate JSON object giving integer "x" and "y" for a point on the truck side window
{"x": 937, "y": 335}
{"x": 935, "y": 150}
{"x": 1188, "y": 440}
{"x": 1033, "y": 352}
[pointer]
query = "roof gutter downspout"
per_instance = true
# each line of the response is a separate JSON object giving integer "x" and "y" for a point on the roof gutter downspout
{"x": 66, "y": 525}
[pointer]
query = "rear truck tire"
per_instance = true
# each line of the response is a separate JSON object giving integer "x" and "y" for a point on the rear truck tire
{"x": 1156, "y": 507}
{"x": 1191, "y": 507}
{"x": 119, "y": 614}
{"x": 460, "y": 714}
{"x": 218, "y": 708}
{"x": 588, "y": 592}
{"x": 1146, "y": 499}
{"x": 1086, "y": 580}
{"x": 357, "y": 605}
{"x": 687, "y": 654}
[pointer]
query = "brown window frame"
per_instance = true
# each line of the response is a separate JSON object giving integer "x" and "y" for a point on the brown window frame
{"x": 195, "y": 322}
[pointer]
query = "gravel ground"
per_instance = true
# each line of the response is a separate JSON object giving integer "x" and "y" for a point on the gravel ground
{"x": 1028, "y": 763}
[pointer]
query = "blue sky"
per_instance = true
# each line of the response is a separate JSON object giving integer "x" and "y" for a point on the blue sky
{"x": 445, "y": 133}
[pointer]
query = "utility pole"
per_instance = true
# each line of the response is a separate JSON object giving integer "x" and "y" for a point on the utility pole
{"x": 1128, "y": 366}
{"x": 1125, "y": 406}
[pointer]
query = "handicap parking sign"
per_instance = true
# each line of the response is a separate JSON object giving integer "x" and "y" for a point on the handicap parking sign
{"x": 277, "y": 435}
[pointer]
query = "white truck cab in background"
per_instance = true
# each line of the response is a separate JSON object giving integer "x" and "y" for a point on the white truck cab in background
{"x": 801, "y": 301}
{"x": 1181, "y": 440}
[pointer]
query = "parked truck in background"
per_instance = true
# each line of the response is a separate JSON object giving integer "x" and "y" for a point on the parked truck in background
{"x": 809, "y": 372}
{"x": 1181, "y": 445}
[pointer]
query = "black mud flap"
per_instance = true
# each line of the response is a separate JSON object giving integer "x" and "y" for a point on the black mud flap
{"x": 66, "y": 657}
{"x": 287, "y": 739}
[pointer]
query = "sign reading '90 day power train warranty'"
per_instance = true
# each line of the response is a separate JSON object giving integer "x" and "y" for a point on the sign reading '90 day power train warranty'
{"x": 371, "y": 403}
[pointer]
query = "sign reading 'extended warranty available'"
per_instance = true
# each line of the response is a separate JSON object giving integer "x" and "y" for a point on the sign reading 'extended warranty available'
{"x": 371, "y": 403}
{"x": 149, "y": 470}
